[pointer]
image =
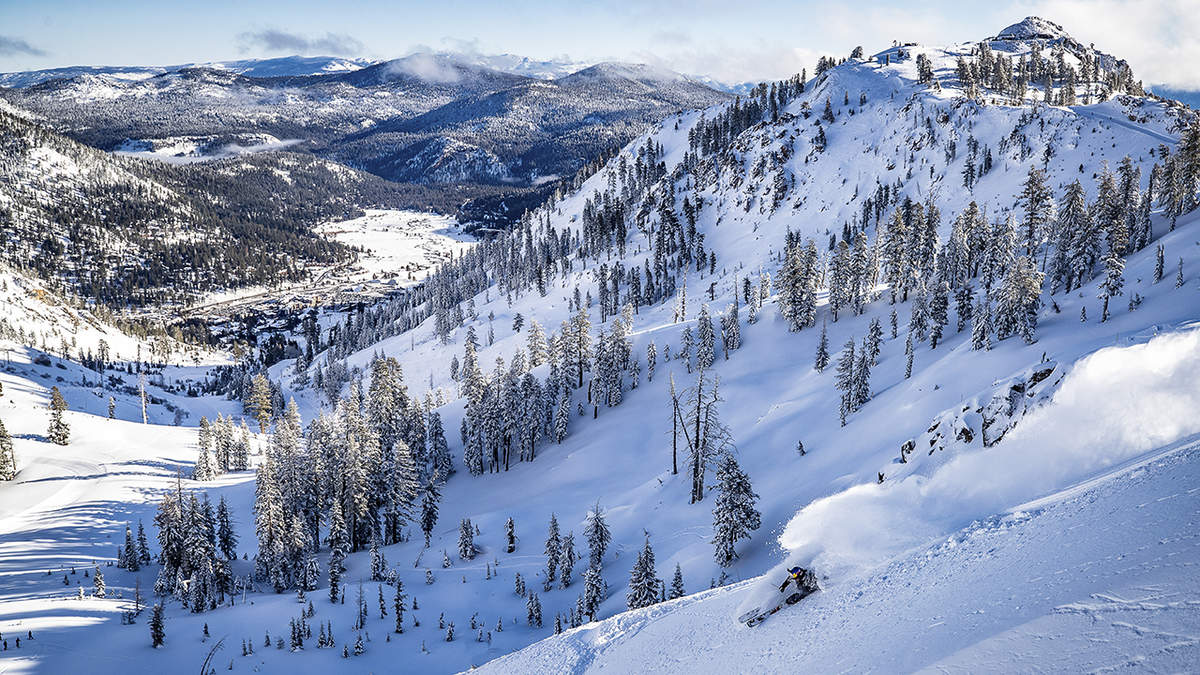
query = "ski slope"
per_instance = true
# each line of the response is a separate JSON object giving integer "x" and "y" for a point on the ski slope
{"x": 1099, "y": 577}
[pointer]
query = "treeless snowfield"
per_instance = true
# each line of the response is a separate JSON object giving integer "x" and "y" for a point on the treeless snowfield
{"x": 404, "y": 243}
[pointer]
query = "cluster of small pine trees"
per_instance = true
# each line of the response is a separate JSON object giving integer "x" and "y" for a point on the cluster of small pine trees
{"x": 222, "y": 448}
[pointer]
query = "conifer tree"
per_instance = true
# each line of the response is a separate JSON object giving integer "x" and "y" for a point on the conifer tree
{"x": 337, "y": 550}
{"x": 203, "y": 470}
{"x": 466, "y": 540}
{"x": 510, "y": 536}
{"x": 567, "y": 557}
{"x": 844, "y": 379}
{"x": 58, "y": 433}
{"x": 981, "y": 325}
{"x": 1114, "y": 280}
{"x": 705, "y": 340}
{"x": 1038, "y": 205}
{"x": 533, "y": 609}
{"x": 157, "y": 627}
{"x": 593, "y": 592}
{"x": 553, "y": 544}
{"x": 598, "y": 537}
{"x": 676, "y": 584}
{"x": 939, "y": 305}
{"x": 439, "y": 450}
{"x": 378, "y": 562}
{"x": 226, "y": 536}
{"x": 822, "y": 359}
{"x": 259, "y": 402}
{"x": 143, "y": 549}
{"x": 429, "y": 509}
{"x": 8, "y": 459}
{"x": 734, "y": 515}
{"x": 643, "y": 582}
{"x": 98, "y": 587}
{"x": 129, "y": 552}
{"x": 398, "y": 606}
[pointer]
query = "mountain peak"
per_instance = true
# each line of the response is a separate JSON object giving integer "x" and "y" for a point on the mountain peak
{"x": 1033, "y": 28}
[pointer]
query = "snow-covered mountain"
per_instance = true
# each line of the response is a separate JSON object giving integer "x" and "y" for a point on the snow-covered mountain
{"x": 924, "y": 325}
{"x": 532, "y": 132}
{"x": 122, "y": 231}
{"x": 281, "y": 66}
{"x": 528, "y": 128}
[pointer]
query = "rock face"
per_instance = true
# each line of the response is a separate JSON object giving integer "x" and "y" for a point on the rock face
{"x": 1033, "y": 28}
{"x": 985, "y": 419}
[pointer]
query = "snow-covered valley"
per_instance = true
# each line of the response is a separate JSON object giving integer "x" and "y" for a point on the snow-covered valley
{"x": 922, "y": 327}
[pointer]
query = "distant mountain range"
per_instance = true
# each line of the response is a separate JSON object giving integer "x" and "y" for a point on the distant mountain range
{"x": 425, "y": 118}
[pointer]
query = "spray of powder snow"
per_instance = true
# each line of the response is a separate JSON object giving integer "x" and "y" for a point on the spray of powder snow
{"x": 1114, "y": 405}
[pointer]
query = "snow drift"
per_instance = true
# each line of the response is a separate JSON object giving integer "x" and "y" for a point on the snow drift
{"x": 1114, "y": 405}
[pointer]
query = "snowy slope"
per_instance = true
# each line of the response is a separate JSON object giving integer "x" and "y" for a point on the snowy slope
{"x": 1094, "y": 578}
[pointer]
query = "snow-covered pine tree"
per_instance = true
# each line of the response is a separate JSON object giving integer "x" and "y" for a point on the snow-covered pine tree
{"x": 259, "y": 401}
{"x": 939, "y": 305}
{"x": 535, "y": 341}
{"x": 439, "y": 450}
{"x": 593, "y": 592}
{"x": 510, "y": 536}
{"x": 429, "y": 509}
{"x": 1114, "y": 280}
{"x": 981, "y": 325}
{"x": 59, "y": 433}
{"x": 1037, "y": 203}
{"x": 158, "y": 632}
{"x": 821, "y": 362}
{"x": 98, "y": 588}
{"x": 203, "y": 469}
{"x": 676, "y": 584}
{"x": 378, "y": 562}
{"x": 398, "y": 606}
{"x": 466, "y": 540}
{"x": 651, "y": 361}
{"x": 567, "y": 557}
{"x": 338, "y": 546}
{"x": 129, "y": 552}
{"x": 731, "y": 330}
{"x": 8, "y": 459}
{"x": 643, "y": 581}
{"x": 1019, "y": 300}
{"x": 705, "y": 340}
{"x": 861, "y": 391}
{"x": 844, "y": 379}
{"x": 598, "y": 536}
{"x": 553, "y": 544}
{"x": 734, "y": 515}
{"x": 533, "y": 609}
{"x": 143, "y": 549}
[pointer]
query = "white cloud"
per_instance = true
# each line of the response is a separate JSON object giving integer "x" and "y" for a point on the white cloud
{"x": 1157, "y": 37}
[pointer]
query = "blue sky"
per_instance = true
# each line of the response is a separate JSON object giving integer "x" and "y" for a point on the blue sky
{"x": 732, "y": 39}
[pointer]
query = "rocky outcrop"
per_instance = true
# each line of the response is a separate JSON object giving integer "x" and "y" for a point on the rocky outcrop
{"x": 985, "y": 419}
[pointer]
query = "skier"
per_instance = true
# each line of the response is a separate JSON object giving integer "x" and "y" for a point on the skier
{"x": 805, "y": 583}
